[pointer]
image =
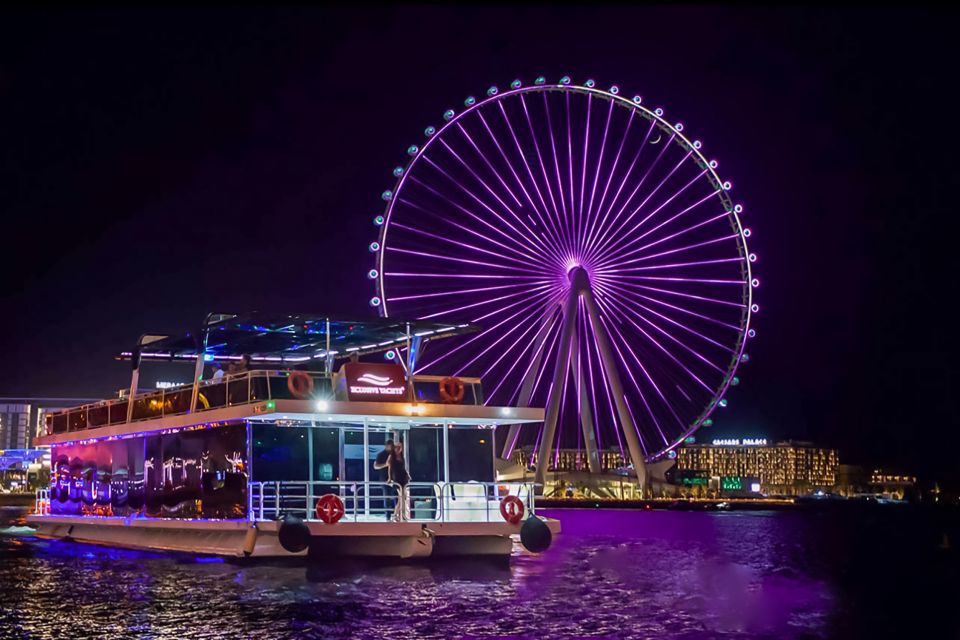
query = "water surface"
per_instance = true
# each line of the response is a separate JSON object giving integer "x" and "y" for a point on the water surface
{"x": 615, "y": 574}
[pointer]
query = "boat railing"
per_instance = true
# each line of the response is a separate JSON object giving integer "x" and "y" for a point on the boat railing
{"x": 230, "y": 390}
{"x": 361, "y": 500}
{"x": 372, "y": 501}
{"x": 248, "y": 387}
{"x": 42, "y": 503}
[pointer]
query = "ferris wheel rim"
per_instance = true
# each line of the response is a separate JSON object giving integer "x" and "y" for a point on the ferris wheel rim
{"x": 656, "y": 117}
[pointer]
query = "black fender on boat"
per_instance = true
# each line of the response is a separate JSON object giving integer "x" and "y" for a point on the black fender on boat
{"x": 535, "y": 535}
{"x": 294, "y": 535}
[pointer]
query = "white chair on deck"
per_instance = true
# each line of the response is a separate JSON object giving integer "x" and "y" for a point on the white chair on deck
{"x": 466, "y": 502}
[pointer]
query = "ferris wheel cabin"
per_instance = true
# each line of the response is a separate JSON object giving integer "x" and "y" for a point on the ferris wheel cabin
{"x": 272, "y": 448}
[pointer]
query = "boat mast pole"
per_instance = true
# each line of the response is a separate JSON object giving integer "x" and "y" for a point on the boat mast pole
{"x": 366, "y": 468}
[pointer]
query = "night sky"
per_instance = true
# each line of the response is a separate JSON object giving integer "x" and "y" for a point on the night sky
{"x": 157, "y": 165}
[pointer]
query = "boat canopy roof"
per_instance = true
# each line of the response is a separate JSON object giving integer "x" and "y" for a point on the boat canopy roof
{"x": 290, "y": 338}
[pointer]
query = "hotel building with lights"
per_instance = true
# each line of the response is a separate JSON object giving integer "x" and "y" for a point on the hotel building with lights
{"x": 782, "y": 468}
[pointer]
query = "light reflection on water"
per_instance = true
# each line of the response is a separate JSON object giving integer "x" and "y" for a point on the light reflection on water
{"x": 611, "y": 574}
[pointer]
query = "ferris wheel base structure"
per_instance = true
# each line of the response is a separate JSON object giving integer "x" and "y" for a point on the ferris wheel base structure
{"x": 568, "y": 364}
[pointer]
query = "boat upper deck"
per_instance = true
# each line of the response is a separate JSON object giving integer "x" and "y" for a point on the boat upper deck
{"x": 264, "y": 395}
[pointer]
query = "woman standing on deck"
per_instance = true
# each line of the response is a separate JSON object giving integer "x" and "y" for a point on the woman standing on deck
{"x": 400, "y": 476}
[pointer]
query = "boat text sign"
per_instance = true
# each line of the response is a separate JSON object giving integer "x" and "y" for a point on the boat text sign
{"x": 378, "y": 382}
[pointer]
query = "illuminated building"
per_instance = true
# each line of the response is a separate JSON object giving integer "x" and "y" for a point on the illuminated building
{"x": 789, "y": 468}
{"x": 571, "y": 459}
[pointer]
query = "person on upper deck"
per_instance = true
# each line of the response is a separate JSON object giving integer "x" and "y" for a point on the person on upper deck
{"x": 242, "y": 366}
{"x": 217, "y": 374}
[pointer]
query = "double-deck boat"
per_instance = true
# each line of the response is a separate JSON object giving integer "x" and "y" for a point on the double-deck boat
{"x": 276, "y": 458}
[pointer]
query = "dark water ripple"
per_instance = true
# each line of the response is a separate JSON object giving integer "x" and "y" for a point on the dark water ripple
{"x": 612, "y": 574}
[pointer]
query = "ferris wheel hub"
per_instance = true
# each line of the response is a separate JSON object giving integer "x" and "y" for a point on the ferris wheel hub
{"x": 579, "y": 278}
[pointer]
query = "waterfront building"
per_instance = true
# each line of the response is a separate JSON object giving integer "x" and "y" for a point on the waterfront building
{"x": 782, "y": 468}
{"x": 22, "y": 418}
{"x": 16, "y": 430}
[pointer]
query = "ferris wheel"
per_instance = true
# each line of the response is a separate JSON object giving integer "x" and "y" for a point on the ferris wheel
{"x": 597, "y": 248}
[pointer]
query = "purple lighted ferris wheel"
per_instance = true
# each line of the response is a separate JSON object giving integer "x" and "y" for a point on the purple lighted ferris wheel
{"x": 597, "y": 248}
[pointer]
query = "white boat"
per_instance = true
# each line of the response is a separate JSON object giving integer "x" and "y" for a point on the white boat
{"x": 277, "y": 460}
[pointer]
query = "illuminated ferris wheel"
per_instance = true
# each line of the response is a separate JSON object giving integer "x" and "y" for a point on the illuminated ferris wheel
{"x": 599, "y": 251}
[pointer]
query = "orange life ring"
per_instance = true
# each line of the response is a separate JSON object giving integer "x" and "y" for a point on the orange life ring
{"x": 511, "y": 508}
{"x": 330, "y": 508}
{"x": 300, "y": 384}
{"x": 451, "y": 390}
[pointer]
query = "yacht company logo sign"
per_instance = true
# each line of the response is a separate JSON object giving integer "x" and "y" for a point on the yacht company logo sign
{"x": 382, "y": 382}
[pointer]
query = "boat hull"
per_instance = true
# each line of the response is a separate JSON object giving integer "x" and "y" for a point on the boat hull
{"x": 241, "y": 538}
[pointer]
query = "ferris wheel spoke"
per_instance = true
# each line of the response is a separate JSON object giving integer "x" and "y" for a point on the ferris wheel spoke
{"x": 546, "y": 179}
{"x": 632, "y": 310}
{"x": 476, "y": 199}
{"x": 516, "y": 237}
{"x": 555, "y": 324}
{"x": 601, "y": 237}
{"x": 542, "y": 214}
{"x": 522, "y": 252}
{"x": 533, "y": 207}
{"x": 604, "y": 377}
{"x": 675, "y": 265}
{"x": 691, "y": 296}
{"x": 606, "y": 187}
{"x": 612, "y": 328}
{"x": 581, "y": 212}
{"x": 489, "y": 164}
{"x": 623, "y": 184}
{"x": 596, "y": 175}
{"x": 669, "y": 252}
{"x": 457, "y": 292}
{"x": 531, "y": 345}
{"x": 530, "y": 326}
{"x": 435, "y": 256}
{"x": 564, "y": 221}
{"x": 617, "y": 245}
{"x": 526, "y": 292}
{"x": 592, "y": 389}
{"x": 625, "y": 287}
{"x": 646, "y": 373}
{"x": 464, "y": 245}
{"x": 665, "y": 351}
{"x": 476, "y": 336}
{"x": 477, "y": 177}
{"x": 573, "y": 210}
{"x": 615, "y": 236}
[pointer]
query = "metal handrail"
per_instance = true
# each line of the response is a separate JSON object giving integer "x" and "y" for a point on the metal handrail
{"x": 82, "y": 413}
{"x": 42, "y": 502}
{"x": 270, "y": 500}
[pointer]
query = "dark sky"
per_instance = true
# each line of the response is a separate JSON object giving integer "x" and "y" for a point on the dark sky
{"x": 156, "y": 165}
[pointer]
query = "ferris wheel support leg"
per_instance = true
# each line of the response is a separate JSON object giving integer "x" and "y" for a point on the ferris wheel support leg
{"x": 526, "y": 390}
{"x": 556, "y": 389}
{"x": 586, "y": 413}
{"x": 616, "y": 386}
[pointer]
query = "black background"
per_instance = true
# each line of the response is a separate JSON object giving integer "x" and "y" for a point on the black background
{"x": 156, "y": 165}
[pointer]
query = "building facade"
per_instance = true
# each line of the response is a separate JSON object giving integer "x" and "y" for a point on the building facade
{"x": 18, "y": 425}
{"x": 783, "y": 468}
